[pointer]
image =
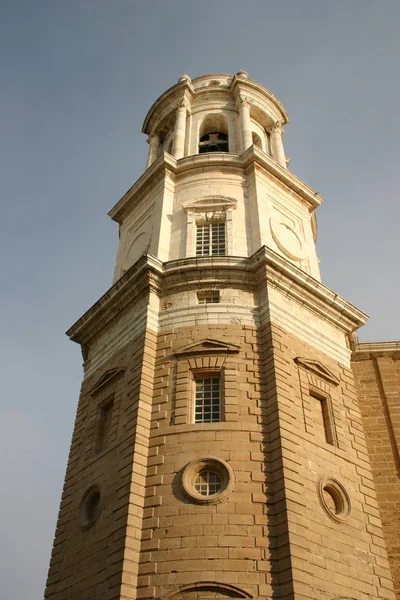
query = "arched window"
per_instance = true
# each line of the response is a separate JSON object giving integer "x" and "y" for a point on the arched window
{"x": 256, "y": 140}
{"x": 214, "y": 142}
{"x": 213, "y": 134}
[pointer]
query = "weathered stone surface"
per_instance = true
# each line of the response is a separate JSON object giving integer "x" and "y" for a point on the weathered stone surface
{"x": 296, "y": 511}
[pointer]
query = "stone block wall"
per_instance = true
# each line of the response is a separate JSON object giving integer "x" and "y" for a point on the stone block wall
{"x": 281, "y": 532}
{"x": 325, "y": 557}
{"x": 101, "y": 561}
{"x": 377, "y": 377}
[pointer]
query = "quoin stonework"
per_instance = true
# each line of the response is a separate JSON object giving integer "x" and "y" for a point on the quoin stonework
{"x": 233, "y": 439}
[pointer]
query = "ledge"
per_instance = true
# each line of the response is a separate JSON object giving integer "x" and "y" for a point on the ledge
{"x": 166, "y": 162}
{"x": 264, "y": 268}
{"x": 367, "y": 350}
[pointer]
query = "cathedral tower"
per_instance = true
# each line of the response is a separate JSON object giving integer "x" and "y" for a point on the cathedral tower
{"x": 218, "y": 449}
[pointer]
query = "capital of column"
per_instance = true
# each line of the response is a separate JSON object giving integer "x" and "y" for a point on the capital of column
{"x": 276, "y": 128}
{"x": 244, "y": 102}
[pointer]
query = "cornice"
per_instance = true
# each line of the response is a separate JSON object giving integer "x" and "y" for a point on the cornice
{"x": 265, "y": 267}
{"x": 252, "y": 155}
{"x": 170, "y": 98}
{"x": 140, "y": 279}
{"x": 367, "y": 350}
{"x": 308, "y": 291}
{"x": 255, "y": 154}
{"x": 241, "y": 83}
{"x": 158, "y": 169}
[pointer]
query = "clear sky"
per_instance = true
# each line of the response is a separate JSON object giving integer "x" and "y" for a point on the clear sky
{"x": 77, "y": 78}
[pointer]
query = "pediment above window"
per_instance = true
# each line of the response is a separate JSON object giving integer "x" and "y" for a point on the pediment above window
{"x": 108, "y": 377}
{"x": 316, "y": 368}
{"x": 211, "y": 203}
{"x": 208, "y": 346}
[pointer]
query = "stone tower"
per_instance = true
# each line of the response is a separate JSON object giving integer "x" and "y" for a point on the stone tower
{"x": 218, "y": 449}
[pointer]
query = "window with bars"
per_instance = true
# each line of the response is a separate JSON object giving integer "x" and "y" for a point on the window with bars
{"x": 207, "y": 408}
{"x": 210, "y": 239}
{"x": 207, "y": 483}
{"x": 210, "y": 297}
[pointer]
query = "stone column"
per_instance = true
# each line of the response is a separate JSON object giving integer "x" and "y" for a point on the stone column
{"x": 244, "y": 111}
{"x": 154, "y": 146}
{"x": 278, "y": 152}
{"x": 180, "y": 131}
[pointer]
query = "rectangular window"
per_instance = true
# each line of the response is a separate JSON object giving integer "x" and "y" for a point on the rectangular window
{"x": 323, "y": 421}
{"x": 211, "y": 297}
{"x": 210, "y": 239}
{"x": 207, "y": 407}
{"x": 104, "y": 419}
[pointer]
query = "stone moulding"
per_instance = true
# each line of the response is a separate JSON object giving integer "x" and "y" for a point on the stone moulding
{"x": 213, "y": 463}
{"x": 107, "y": 378}
{"x": 186, "y": 89}
{"x": 208, "y": 346}
{"x": 232, "y": 590}
{"x": 265, "y": 267}
{"x": 339, "y": 495}
{"x": 318, "y": 369}
{"x": 368, "y": 350}
{"x": 255, "y": 155}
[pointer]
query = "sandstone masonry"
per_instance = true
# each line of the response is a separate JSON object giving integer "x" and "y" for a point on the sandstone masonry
{"x": 232, "y": 439}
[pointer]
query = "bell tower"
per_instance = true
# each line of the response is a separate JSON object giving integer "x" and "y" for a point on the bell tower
{"x": 218, "y": 449}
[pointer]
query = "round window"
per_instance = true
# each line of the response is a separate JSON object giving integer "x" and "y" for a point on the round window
{"x": 207, "y": 480}
{"x": 207, "y": 483}
{"x": 90, "y": 506}
{"x": 334, "y": 499}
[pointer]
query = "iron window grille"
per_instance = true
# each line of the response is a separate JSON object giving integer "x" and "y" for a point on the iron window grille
{"x": 210, "y": 239}
{"x": 207, "y": 407}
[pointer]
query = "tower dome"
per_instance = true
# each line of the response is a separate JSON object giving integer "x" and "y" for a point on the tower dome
{"x": 237, "y": 108}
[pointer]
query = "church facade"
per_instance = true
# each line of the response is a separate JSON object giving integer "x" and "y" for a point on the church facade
{"x": 232, "y": 439}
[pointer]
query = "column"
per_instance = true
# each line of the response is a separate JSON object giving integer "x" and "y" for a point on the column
{"x": 244, "y": 111}
{"x": 278, "y": 152}
{"x": 154, "y": 146}
{"x": 180, "y": 131}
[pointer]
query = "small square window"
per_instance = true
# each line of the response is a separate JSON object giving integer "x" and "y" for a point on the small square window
{"x": 210, "y": 297}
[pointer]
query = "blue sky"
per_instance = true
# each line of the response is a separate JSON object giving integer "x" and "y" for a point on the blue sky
{"x": 77, "y": 80}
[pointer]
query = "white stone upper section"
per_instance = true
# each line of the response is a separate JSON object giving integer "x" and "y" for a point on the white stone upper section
{"x": 234, "y": 106}
{"x": 217, "y": 181}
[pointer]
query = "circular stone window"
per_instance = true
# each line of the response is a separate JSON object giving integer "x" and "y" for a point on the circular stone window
{"x": 90, "y": 506}
{"x": 207, "y": 480}
{"x": 334, "y": 499}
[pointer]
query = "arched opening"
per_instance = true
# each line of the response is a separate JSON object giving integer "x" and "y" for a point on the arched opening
{"x": 213, "y": 134}
{"x": 208, "y": 591}
{"x": 256, "y": 140}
